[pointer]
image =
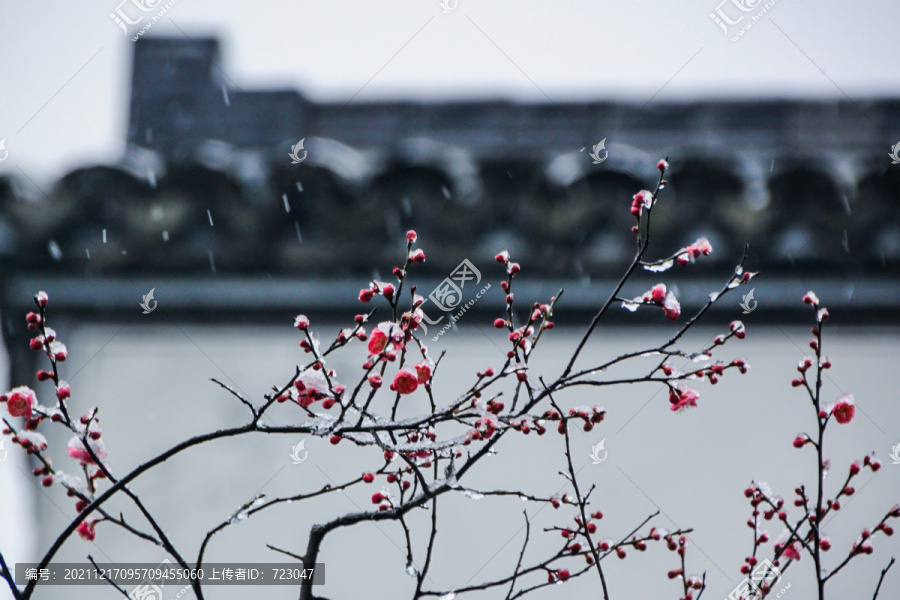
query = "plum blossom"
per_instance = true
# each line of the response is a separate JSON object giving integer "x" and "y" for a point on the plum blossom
{"x": 377, "y": 341}
{"x": 86, "y": 531}
{"x": 424, "y": 370}
{"x": 19, "y": 401}
{"x": 79, "y": 451}
{"x": 683, "y": 398}
{"x": 405, "y": 382}
{"x": 383, "y": 334}
{"x": 791, "y": 552}
{"x": 844, "y": 409}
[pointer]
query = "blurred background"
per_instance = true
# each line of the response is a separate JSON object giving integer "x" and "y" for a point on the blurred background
{"x": 246, "y": 163}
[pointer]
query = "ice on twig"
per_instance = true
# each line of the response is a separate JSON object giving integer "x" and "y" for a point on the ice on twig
{"x": 660, "y": 267}
{"x": 244, "y": 512}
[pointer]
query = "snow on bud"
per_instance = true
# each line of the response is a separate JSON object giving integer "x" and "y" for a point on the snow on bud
{"x": 301, "y": 322}
{"x": 411, "y": 236}
{"x": 658, "y": 293}
{"x": 811, "y": 298}
{"x": 375, "y": 381}
{"x": 19, "y": 401}
{"x": 737, "y": 328}
{"x": 640, "y": 201}
{"x": 662, "y": 165}
{"x": 32, "y": 441}
{"x": 417, "y": 256}
{"x": 703, "y": 245}
{"x": 822, "y": 315}
{"x": 405, "y": 382}
{"x": 63, "y": 392}
{"x": 58, "y": 351}
{"x": 844, "y": 409}
{"x": 502, "y": 258}
{"x": 77, "y": 450}
{"x": 672, "y": 307}
{"x": 42, "y": 298}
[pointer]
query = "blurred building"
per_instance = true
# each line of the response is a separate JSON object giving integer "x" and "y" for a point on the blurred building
{"x": 208, "y": 186}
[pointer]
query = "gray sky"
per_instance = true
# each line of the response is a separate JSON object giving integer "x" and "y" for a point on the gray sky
{"x": 66, "y": 68}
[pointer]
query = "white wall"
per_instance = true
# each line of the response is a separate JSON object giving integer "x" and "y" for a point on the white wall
{"x": 151, "y": 383}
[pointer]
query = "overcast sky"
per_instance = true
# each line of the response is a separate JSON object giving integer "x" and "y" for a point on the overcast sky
{"x": 66, "y": 66}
